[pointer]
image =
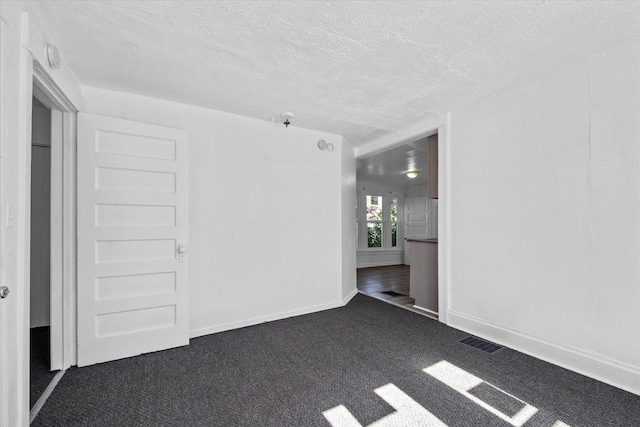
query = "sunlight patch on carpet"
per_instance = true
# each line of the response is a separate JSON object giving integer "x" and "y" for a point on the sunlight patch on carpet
{"x": 410, "y": 413}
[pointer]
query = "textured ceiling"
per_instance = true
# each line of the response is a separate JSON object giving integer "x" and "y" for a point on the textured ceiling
{"x": 391, "y": 166}
{"x": 361, "y": 69}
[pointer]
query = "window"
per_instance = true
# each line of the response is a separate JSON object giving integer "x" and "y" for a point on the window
{"x": 374, "y": 221}
{"x": 394, "y": 222}
{"x": 378, "y": 223}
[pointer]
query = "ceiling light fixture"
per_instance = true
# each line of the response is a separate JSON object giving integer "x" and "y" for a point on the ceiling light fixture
{"x": 287, "y": 118}
{"x": 412, "y": 174}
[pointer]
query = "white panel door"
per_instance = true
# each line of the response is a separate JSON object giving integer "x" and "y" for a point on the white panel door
{"x": 132, "y": 226}
{"x": 416, "y": 223}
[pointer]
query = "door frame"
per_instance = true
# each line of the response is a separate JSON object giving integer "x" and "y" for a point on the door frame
{"x": 444, "y": 209}
{"x": 444, "y": 222}
{"x": 63, "y": 217}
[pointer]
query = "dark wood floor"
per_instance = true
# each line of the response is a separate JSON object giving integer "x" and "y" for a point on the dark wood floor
{"x": 373, "y": 281}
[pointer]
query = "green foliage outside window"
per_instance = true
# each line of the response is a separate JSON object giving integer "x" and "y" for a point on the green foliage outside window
{"x": 394, "y": 224}
{"x": 374, "y": 234}
{"x": 374, "y": 229}
{"x": 375, "y": 224}
{"x": 394, "y": 234}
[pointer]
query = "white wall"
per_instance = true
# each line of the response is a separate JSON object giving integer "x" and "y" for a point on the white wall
{"x": 379, "y": 257}
{"x": 265, "y": 212}
{"x": 381, "y": 189}
{"x": 40, "y": 275}
{"x": 545, "y": 217}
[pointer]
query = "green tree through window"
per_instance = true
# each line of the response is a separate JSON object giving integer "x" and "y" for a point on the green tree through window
{"x": 382, "y": 221}
{"x": 394, "y": 222}
{"x": 374, "y": 221}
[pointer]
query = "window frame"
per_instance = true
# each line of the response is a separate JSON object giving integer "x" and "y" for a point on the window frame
{"x": 362, "y": 222}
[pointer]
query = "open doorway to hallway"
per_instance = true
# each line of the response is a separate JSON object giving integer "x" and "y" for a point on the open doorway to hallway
{"x": 397, "y": 216}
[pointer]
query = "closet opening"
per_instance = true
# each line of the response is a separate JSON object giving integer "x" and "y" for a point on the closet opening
{"x": 41, "y": 373}
{"x": 52, "y": 239}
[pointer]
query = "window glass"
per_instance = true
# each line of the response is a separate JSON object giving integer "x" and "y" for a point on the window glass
{"x": 394, "y": 222}
{"x": 374, "y": 208}
{"x": 394, "y": 210}
{"x": 374, "y": 234}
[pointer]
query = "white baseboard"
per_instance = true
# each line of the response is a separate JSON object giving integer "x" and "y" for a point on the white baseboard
{"x": 279, "y": 316}
{"x": 379, "y": 258}
{"x": 377, "y": 264}
{"x": 425, "y": 309}
{"x": 617, "y": 374}
{"x": 348, "y": 298}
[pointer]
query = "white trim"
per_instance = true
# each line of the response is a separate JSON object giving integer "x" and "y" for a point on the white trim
{"x": 48, "y": 92}
{"x": 69, "y": 240}
{"x": 349, "y": 297}
{"x": 444, "y": 223}
{"x": 425, "y": 309}
{"x": 379, "y": 264}
{"x": 45, "y": 395}
{"x": 270, "y": 318}
{"x": 63, "y": 216}
{"x": 623, "y": 376}
{"x": 56, "y": 219}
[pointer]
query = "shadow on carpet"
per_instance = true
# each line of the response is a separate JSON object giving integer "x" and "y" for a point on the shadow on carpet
{"x": 40, "y": 373}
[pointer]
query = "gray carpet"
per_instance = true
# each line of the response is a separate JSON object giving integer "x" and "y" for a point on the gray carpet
{"x": 40, "y": 374}
{"x": 286, "y": 373}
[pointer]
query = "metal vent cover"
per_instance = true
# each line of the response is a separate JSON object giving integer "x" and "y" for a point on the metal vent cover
{"x": 393, "y": 294}
{"x": 480, "y": 344}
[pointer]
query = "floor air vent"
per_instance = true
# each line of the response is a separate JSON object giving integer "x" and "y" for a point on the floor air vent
{"x": 480, "y": 344}
{"x": 393, "y": 293}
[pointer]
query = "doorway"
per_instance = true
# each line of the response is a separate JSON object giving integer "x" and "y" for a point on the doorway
{"x": 51, "y": 302}
{"x": 395, "y": 206}
{"x": 41, "y": 373}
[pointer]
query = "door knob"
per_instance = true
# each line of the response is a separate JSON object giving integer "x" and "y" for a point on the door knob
{"x": 4, "y": 292}
{"x": 182, "y": 253}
